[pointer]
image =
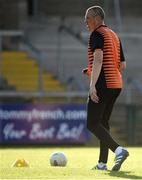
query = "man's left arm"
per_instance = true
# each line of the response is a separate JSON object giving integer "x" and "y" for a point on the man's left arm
{"x": 96, "y": 69}
{"x": 123, "y": 62}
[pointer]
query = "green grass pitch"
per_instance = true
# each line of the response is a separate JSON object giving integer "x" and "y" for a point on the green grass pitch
{"x": 80, "y": 162}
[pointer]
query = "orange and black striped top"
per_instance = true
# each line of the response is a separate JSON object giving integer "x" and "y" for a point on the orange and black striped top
{"x": 107, "y": 40}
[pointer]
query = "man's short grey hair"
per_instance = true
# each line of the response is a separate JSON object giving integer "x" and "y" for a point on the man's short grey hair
{"x": 97, "y": 11}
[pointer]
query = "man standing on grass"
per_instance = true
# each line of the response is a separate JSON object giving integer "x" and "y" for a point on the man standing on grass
{"x": 105, "y": 63}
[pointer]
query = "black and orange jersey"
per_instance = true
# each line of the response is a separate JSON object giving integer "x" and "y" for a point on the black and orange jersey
{"x": 105, "y": 39}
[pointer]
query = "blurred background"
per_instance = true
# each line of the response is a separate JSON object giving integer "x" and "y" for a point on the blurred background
{"x": 43, "y": 49}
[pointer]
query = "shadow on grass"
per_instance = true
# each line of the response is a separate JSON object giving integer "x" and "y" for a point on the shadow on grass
{"x": 124, "y": 174}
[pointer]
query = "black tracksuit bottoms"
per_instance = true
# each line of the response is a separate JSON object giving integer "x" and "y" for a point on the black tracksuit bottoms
{"x": 98, "y": 115}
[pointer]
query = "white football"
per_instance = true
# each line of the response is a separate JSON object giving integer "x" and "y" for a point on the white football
{"x": 58, "y": 159}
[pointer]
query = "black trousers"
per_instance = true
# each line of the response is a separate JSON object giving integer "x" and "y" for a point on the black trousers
{"x": 98, "y": 115}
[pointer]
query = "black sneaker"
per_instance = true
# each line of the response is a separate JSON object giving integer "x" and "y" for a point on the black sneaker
{"x": 104, "y": 167}
{"x": 119, "y": 159}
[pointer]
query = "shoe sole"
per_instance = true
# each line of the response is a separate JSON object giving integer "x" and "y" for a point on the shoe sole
{"x": 99, "y": 169}
{"x": 116, "y": 167}
{"x": 96, "y": 168}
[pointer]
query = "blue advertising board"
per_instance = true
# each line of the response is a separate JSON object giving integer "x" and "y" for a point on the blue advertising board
{"x": 43, "y": 124}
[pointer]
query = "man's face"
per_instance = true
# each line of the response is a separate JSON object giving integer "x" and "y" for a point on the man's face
{"x": 90, "y": 21}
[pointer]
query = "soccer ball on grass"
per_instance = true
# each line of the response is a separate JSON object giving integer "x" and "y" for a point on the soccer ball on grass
{"x": 58, "y": 159}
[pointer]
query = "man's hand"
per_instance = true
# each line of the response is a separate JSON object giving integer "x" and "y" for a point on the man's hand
{"x": 93, "y": 94}
{"x": 85, "y": 71}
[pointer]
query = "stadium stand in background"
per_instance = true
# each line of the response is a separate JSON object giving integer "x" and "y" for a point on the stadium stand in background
{"x": 22, "y": 72}
{"x": 50, "y": 53}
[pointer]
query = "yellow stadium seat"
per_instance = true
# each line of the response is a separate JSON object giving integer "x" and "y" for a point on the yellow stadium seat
{"x": 23, "y": 72}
